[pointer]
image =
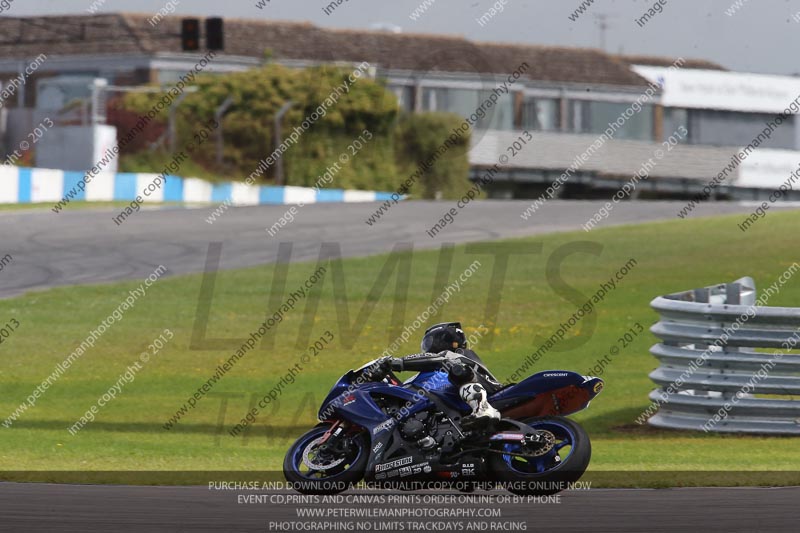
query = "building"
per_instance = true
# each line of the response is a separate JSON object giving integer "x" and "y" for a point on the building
{"x": 565, "y": 97}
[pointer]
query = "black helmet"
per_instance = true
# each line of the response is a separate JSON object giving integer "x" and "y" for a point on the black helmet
{"x": 444, "y": 336}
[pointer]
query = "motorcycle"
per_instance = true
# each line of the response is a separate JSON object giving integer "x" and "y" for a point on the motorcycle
{"x": 380, "y": 430}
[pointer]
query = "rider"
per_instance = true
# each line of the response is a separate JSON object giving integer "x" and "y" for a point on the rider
{"x": 444, "y": 346}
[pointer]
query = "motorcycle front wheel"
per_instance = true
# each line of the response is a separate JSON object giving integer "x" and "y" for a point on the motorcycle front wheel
{"x": 547, "y": 467}
{"x": 313, "y": 468}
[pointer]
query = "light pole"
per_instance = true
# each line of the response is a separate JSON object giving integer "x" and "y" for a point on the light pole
{"x": 218, "y": 114}
{"x": 279, "y": 177}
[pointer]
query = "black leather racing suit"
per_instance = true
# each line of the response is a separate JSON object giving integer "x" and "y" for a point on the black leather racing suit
{"x": 454, "y": 363}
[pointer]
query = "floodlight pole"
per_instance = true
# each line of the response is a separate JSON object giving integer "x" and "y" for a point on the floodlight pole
{"x": 218, "y": 114}
{"x": 279, "y": 178}
{"x": 173, "y": 130}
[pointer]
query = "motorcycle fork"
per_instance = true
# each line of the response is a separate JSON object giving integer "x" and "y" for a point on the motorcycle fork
{"x": 335, "y": 437}
{"x": 335, "y": 429}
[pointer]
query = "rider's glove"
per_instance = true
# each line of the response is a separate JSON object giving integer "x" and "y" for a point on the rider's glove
{"x": 381, "y": 368}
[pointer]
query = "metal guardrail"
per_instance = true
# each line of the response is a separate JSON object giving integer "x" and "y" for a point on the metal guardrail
{"x": 727, "y": 382}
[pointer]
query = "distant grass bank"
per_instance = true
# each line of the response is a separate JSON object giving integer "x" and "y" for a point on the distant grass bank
{"x": 72, "y": 205}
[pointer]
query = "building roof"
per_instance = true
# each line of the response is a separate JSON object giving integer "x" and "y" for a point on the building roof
{"x": 122, "y": 33}
{"x": 657, "y": 61}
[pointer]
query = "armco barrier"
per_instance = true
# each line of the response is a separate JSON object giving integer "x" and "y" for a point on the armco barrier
{"x": 20, "y": 185}
{"x": 698, "y": 380}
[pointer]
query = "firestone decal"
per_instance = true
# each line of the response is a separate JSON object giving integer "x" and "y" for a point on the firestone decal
{"x": 394, "y": 464}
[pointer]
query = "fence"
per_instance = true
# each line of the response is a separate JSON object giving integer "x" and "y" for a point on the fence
{"x": 710, "y": 376}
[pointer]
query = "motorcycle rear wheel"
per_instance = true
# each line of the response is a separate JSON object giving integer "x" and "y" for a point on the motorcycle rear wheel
{"x": 545, "y": 469}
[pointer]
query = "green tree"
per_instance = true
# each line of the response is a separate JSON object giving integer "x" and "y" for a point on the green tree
{"x": 427, "y": 140}
{"x": 257, "y": 96}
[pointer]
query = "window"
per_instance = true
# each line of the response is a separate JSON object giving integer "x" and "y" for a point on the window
{"x": 541, "y": 114}
{"x": 466, "y": 102}
{"x": 405, "y": 96}
{"x": 594, "y": 117}
{"x": 461, "y": 101}
{"x": 578, "y": 116}
{"x": 674, "y": 118}
{"x": 499, "y": 116}
{"x": 731, "y": 128}
{"x": 57, "y": 92}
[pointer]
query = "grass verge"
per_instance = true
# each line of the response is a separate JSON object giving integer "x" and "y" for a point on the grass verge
{"x": 128, "y": 433}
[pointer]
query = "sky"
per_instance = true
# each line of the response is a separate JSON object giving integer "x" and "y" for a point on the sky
{"x": 759, "y": 36}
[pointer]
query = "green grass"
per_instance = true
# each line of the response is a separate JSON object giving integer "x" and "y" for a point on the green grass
{"x": 128, "y": 433}
{"x": 72, "y": 205}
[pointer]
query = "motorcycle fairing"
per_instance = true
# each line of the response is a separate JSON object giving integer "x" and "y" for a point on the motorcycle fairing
{"x": 357, "y": 405}
{"x": 552, "y": 392}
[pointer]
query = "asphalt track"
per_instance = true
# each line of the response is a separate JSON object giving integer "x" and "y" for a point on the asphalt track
{"x": 79, "y": 508}
{"x": 85, "y": 246}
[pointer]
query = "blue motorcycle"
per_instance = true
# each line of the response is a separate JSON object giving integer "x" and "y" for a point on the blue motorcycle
{"x": 377, "y": 429}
